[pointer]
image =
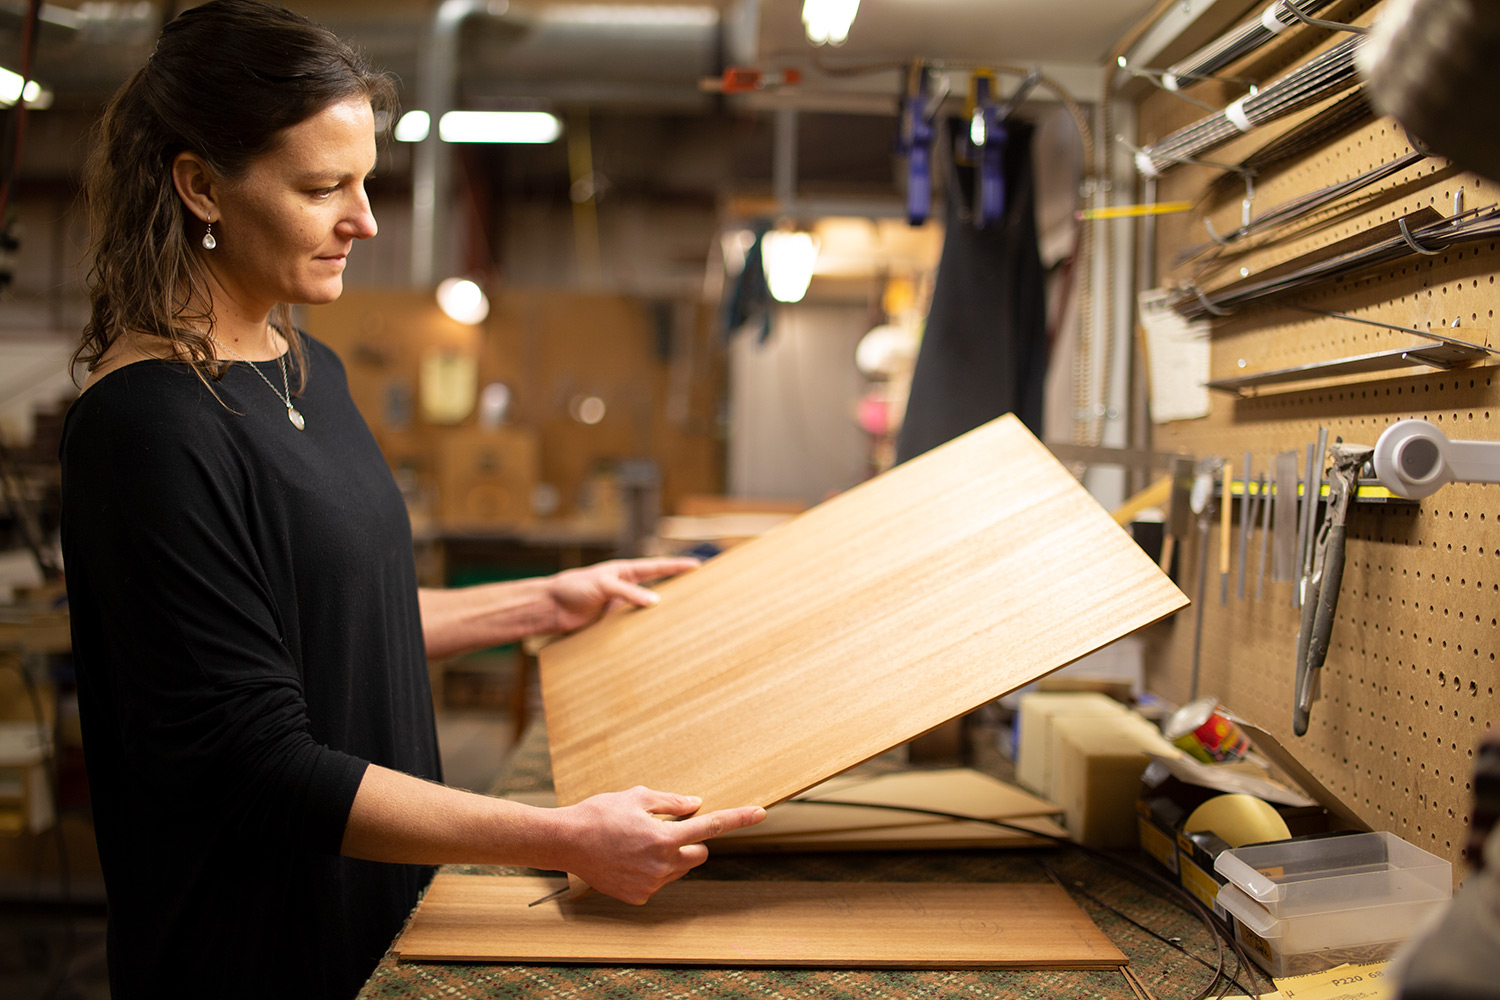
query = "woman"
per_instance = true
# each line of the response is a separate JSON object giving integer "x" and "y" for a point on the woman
{"x": 250, "y": 641}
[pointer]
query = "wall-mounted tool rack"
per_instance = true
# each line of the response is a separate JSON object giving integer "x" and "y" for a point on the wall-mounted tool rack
{"x": 1409, "y": 685}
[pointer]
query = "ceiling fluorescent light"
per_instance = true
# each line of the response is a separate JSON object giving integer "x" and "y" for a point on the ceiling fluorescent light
{"x": 827, "y": 21}
{"x": 413, "y": 126}
{"x": 632, "y": 15}
{"x": 11, "y": 90}
{"x": 499, "y": 126}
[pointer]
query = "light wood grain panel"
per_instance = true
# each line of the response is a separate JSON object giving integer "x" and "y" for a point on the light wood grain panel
{"x": 958, "y": 790}
{"x": 868, "y": 924}
{"x": 942, "y": 835}
{"x": 953, "y": 789}
{"x": 878, "y": 615}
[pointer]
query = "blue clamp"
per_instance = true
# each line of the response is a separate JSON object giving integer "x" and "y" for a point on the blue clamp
{"x": 985, "y": 148}
{"x": 915, "y": 143}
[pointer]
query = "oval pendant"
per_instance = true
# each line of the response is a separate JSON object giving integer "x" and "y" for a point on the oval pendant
{"x": 295, "y": 418}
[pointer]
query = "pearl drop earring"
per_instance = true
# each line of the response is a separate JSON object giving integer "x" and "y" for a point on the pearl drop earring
{"x": 208, "y": 238}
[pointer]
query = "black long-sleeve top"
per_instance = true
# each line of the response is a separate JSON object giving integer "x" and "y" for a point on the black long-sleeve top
{"x": 247, "y": 639}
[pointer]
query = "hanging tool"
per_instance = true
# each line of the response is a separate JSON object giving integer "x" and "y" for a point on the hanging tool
{"x": 1226, "y": 491}
{"x": 1179, "y": 513}
{"x": 1322, "y": 598}
{"x": 1307, "y": 528}
{"x": 1284, "y": 557}
{"x": 1414, "y": 459}
{"x": 985, "y": 148}
{"x": 1265, "y": 534}
{"x": 744, "y": 79}
{"x": 915, "y": 143}
{"x": 1202, "y": 504}
{"x": 1247, "y": 518}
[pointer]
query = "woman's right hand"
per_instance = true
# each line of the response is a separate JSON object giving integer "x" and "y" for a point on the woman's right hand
{"x": 629, "y": 844}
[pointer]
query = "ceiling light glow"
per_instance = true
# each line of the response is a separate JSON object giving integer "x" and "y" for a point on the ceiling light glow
{"x": 463, "y": 301}
{"x": 788, "y": 258}
{"x": 11, "y": 88}
{"x": 499, "y": 126}
{"x": 413, "y": 126}
{"x": 827, "y": 21}
{"x": 632, "y": 15}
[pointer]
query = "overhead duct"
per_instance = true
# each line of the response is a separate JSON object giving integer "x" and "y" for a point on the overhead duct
{"x": 499, "y": 55}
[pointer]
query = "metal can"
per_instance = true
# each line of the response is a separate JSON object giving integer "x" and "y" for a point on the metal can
{"x": 1205, "y": 732}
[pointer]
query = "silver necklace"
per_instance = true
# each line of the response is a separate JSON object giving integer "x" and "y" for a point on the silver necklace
{"x": 286, "y": 396}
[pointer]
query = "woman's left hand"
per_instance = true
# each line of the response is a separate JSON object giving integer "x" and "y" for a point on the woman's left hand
{"x": 582, "y": 595}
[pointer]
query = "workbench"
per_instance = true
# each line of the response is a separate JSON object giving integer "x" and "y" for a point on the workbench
{"x": 1164, "y": 971}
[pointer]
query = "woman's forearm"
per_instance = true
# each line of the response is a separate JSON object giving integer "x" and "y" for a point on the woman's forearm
{"x": 617, "y": 842}
{"x": 402, "y": 819}
{"x": 489, "y": 614}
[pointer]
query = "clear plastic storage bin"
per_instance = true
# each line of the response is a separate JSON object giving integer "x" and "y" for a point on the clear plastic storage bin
{"x": 1293, "y": 946}
{"x": 1293, "y": 877}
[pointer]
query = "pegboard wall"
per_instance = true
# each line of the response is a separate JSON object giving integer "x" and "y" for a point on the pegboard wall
{"x": 1408, "y": 689}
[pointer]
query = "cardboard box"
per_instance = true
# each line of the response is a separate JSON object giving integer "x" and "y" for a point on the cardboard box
{"x": 1034, "y": 723}
{"x": 1097, "y": 763}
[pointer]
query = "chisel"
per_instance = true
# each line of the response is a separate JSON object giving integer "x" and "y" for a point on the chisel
{"x": 1265, "y": 534}
{"x": 1246, "y": 517}
{"x": 1226, "y": 492}
{"x": 1283, "y": 562}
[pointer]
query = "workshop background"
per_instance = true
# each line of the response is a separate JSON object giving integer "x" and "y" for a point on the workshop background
{"x": 631, "y": 374}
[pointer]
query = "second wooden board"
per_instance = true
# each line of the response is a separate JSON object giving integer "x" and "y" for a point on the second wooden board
{"x": 962, "y": 791}
{"x": 907, "y": 601}
{"x": 903, "y": 925}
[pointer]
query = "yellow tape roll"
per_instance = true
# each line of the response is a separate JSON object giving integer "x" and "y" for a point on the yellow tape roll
{"x": 1238, "y": 820}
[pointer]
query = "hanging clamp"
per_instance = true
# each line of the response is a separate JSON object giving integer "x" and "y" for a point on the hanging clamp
{"x": 914, "y": 142}
{"x": 985, "y": 147}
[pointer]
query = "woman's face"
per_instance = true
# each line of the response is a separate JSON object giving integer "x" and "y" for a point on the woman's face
{"x": 287, "y": 224}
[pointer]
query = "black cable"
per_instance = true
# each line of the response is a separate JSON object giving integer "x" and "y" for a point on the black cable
{"x": 1168, "y": 890}
{"x": 1083, "y": 891}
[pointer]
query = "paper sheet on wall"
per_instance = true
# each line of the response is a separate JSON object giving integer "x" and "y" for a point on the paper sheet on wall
{"x": 1176, "y": 360}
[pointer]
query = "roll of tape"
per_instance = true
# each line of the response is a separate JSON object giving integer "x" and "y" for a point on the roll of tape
{"x": 1238, "y": 819}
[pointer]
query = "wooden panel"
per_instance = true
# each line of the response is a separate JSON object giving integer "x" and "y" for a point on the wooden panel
{"x": 809, "y": 823}
{"x": 958, "y": 790}
{"x": 944, "y": 835}
{"x": 876, "y": 616}
{"x": 904, "y": 925}
{"x": 962, "y": 791}
{"x": 1409, "y": 687}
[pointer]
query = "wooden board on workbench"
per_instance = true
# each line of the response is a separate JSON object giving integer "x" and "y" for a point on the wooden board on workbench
{"x": 902, "y": 925}
{"x": 958, "y": 790}
{"x": 943, "y": 835}
{"x": 907, "y": 601}
{"x": 951, "y": 789}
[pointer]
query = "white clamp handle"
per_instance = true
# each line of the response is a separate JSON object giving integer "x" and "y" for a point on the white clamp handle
{"x": 1413, "y": 459}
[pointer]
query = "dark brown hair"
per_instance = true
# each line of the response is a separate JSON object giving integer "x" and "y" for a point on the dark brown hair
{"x": 224, "y": 81}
